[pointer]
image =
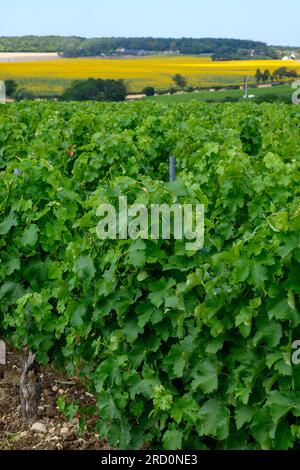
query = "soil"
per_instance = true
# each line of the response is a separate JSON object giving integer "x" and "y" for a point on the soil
{"x": 60, "y": 434}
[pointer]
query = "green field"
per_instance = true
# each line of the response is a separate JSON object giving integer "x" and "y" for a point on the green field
{"x": 282, "y": 91}
{"x": 181, "y": 349}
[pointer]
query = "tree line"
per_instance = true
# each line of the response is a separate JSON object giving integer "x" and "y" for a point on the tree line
{"x": 279, "y": 74}
{"x": 80, "y": 90}
{"x": 73, "y": 46}
{"x": 91, "y": 89}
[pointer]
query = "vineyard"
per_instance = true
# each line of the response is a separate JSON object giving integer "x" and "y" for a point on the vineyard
{"x": 182, "y": 349}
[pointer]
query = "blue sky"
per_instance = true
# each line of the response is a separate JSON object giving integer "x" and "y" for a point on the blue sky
{"x": 272, "y": 21}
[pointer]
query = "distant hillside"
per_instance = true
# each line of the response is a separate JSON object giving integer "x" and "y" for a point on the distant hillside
{"x": 219, "y": 49}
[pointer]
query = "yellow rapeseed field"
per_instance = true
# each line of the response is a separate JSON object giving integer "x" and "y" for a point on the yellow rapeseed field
{"x": 138, "y": 72}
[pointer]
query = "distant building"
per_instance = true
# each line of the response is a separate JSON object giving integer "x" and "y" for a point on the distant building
{"x": 291, "y": 56}
{"x": 169, "y": 51}
{"x": 132, "y": 52}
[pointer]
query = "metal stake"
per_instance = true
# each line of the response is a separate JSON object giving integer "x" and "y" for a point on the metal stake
{"x": 172, "y": 169}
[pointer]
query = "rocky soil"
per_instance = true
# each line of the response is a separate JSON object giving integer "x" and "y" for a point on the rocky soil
{"x": 51, "y": 430}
